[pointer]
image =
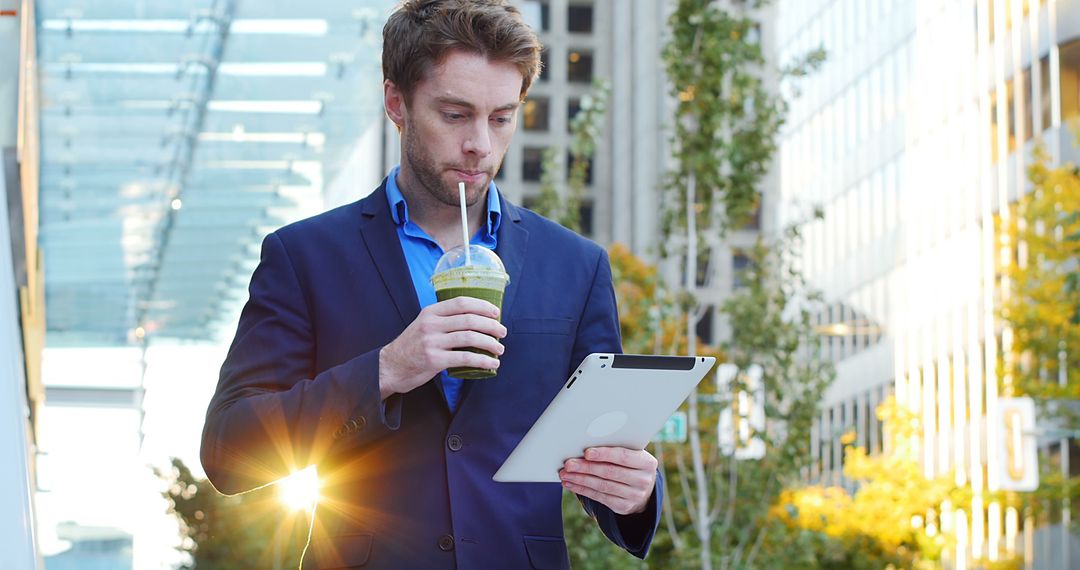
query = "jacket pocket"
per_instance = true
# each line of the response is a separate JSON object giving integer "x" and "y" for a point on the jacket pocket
{"x": 547, "y": 552}
{"x": 343, "y": 551}
{"x": 526, "y": 325}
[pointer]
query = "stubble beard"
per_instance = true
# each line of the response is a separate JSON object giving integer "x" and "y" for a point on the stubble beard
{"x": 427, "y": 174}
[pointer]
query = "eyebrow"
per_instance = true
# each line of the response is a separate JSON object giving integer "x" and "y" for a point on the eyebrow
{"x": 463, "y": 103}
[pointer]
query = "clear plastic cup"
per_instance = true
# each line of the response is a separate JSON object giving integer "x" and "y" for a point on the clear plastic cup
{"x": 485, "y": 278}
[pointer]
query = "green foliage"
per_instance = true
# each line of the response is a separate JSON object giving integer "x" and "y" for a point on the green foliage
{"x": 651, "y": 322}
{"x": 564, "y": 205}
{"x": 772, "y": 327}
{"x": 1043, "y": 301}
{"x": 727, "y": 118}
{"x": 771, "y": 319}
{"x": 1041, "y": 308}
{"x": 241, "y": 531}
{"x": 893, "y": 516}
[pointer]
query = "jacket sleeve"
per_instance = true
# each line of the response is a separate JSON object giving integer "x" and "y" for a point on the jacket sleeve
{"x": 271, "y": 414}
{"x": 598, "y": 331}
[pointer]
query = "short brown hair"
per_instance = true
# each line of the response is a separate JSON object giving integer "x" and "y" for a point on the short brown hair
{"x": 421, "y": 33}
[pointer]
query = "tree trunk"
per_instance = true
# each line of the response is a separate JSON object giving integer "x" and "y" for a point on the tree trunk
{"x": 703, "y": 521}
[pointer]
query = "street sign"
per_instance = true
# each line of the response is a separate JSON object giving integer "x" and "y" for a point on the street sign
{"x": 674, "y": 430}
{"x": 1012, "y": 439}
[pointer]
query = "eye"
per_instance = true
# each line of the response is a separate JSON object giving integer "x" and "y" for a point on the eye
{"x": 502, "y": 119}
{"x": 452, "y": 117}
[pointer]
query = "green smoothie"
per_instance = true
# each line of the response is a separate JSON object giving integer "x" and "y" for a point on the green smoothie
{"x": 493, "y": 296}
{"x": 486, "y": 280}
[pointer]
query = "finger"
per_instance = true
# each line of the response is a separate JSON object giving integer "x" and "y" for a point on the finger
{"x": 470, "y": 339}
{"x": 632, "y": 458}
{"x": 609, "y": 471}
{"x": 600, "y": 484}
{"x": 473, "y": 322}
{"x": 466, "y": 359}
{"x": 619, "y": 505}
{"x": 460, "y": 305}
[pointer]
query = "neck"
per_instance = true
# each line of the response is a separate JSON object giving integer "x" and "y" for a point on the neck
{"x": 439, "y": 220}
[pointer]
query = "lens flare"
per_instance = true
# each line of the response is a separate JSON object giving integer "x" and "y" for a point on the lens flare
{"x": 300, "y": 491}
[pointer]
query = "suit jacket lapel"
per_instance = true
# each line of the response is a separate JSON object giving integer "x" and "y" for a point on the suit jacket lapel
{"x": 513, "y": 241}
{"x": 381, "y": 240}
{"x": 384, "y": 246}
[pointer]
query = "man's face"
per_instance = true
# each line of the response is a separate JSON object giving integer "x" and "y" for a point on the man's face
{"x": 458, "y": 125}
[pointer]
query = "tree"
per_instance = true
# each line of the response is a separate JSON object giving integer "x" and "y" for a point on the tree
{"x": 1041, "y": 310}
{"x": 873, "y": 528}
{"x": 1043, "y": 301}
{"x": 221, "y": 532}
{"x": 772, "y": 328}
{"x": 564, "y": 205}
{"x": 726, "y": 123}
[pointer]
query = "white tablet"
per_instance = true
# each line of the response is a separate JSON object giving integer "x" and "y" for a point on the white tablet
{"x": 610, "y": 400}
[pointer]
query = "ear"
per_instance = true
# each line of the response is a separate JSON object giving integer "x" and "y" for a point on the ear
{"x": 394, "y": 102}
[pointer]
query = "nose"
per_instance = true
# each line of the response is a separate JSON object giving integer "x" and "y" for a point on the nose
{"x": 478, "y": 142}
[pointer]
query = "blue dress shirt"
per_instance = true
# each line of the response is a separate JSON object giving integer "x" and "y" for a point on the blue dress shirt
{"x": 422, "y": 253}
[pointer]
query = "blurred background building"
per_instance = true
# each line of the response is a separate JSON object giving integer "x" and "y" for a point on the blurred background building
{"x": 149, "y": 146}
{"x": 912, "y": 138}
{"x": 173, "y": 137}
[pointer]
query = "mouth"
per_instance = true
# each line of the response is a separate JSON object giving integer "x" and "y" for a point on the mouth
{"x": 470, "y": 175}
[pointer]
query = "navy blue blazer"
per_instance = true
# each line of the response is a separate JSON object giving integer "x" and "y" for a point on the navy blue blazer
{"x": 407, "y": 484}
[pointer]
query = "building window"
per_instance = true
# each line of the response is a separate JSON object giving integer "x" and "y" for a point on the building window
{"x": 579, "y": 67}
{"x": 1044, "y": 93}
{"x": 535, "y": 114}
{"x": 532, "y": 164}
{"x": 544, "y": 65}
{"x": 704, "y": 328}
{"x": 753, "y": 219}
{"x": 1029, "y": 112}
{"x": 580, "y": 18}
{"x": 1010, "y": 111}
{"x": 1070, "y": 81}
{"x": 530, "y": 202}
{"x": 994, "y": 128}
{"x": 572, "y": 108}
{"x": 537, "y": 14}
{"x": 740, "y": 265}
{"x": 588, "y": 168}
{"x": 585, "y": 210}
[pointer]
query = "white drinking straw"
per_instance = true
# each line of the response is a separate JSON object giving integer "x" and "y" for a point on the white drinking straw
{"x": 464, "y": 223}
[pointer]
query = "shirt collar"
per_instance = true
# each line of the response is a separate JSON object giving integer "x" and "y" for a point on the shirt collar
{"x": 399, "y": 209}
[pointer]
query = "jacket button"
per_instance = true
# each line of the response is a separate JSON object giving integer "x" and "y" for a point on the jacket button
{"x": 446, "y": 543}
{"x": 454, "y": 442}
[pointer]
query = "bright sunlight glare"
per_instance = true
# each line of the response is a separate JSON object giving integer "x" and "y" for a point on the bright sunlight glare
{"x": 300, "y": 491}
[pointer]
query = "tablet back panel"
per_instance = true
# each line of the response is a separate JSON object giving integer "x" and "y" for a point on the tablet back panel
{"x": 611, "y": 400}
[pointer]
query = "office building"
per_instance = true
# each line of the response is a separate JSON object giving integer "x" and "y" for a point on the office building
{"x": 913, "y": 137}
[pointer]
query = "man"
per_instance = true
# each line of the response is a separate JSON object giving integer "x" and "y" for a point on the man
{"x": 339, "y": 359}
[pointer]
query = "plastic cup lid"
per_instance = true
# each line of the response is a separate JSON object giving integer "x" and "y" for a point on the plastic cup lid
{"x": 482, "y": 258}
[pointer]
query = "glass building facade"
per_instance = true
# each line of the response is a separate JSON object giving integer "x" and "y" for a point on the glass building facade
{"x": 911, "y": 138}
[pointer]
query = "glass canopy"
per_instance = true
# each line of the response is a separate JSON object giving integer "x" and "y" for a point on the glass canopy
{"x": 174, "y": 136}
